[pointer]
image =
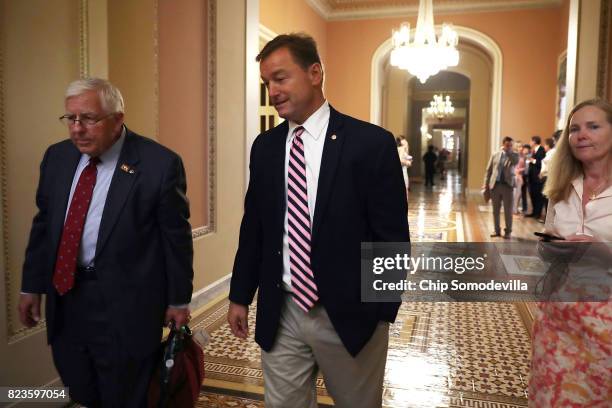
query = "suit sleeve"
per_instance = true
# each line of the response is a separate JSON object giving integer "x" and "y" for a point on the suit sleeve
{"x": 387, "y": 205}
{"x": 387, "y": 208}
{"x": 173, "y": 218}
{"x": 488, "y": 171}
{"x": 36, "y": 264}
{"x": 245, "y": 275}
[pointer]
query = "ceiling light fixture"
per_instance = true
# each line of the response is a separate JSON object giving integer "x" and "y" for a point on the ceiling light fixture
{"x": 425, "y": 55}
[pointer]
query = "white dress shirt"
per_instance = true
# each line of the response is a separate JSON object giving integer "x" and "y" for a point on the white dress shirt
{"x": 566, "y": 218}
{"x": 313, "y": 137}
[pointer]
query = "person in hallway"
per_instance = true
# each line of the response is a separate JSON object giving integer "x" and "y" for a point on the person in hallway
{"x": 499, "y": 180}
{"x": 535, "y": 184}
{"x": 571, "y": 341}
{"x": 321, "y": 183}
{"x": 441, "y": 163}
{"x": 525, "y": 176}
{"x": 519, "y": 169}
{"x": 549, "y": 148}
{"x": 110, "y": 248}
{"x": 405, "y": 159}
{"x": 429, "y": 159}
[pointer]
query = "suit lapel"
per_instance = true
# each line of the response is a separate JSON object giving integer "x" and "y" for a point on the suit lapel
{"x": 62, "y": 193}
{"x": 119, "y": 189}
{"x": 278, "y": 170}
{"x": 332, "y": 147}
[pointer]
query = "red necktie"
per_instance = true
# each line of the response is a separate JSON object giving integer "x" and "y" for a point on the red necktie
{"x": 65, "y": 264}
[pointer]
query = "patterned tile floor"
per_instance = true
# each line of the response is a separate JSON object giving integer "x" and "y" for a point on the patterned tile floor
{"x": 440, "y": 354}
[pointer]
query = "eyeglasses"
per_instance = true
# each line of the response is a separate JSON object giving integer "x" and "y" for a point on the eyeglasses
{"x": 84, "y": 120}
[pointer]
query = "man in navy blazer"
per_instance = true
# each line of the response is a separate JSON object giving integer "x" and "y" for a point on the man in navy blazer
{"x": 535, "y": 182}
{"x": 310, "y": 315}
{"x": 131, "y": 268}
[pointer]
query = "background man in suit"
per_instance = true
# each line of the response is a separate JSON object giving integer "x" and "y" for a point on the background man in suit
{"x": 110, "y": 247}
{"x": 320, "y": 184}
{"x": 535, "y": 183}
{"x": 499, "y": 179}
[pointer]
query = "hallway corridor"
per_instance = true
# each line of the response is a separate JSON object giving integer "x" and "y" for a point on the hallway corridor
{"x": 440, "y": 354}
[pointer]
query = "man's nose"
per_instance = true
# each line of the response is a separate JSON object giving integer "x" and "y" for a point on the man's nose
{"x": 272, "y": 90}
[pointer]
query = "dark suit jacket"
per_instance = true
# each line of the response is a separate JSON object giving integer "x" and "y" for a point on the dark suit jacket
{"x": 360, "y": 198}
{"x": 144, "y": 250}
{"x": 535, "y": 168}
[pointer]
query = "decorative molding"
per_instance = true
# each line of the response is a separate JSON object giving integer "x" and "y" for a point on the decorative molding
{"x": 265, "y": 33}
{"x": 83, "y": 38}
{"x": 605, "y": 32}
{"x": 372, "y": 9}
{"x": 3, "y": 194}
{"x": 482, "y": 40}
{"x": 156, "y": 66}
{"x": 205, "y": 295}
{"x": 211, "y": 106}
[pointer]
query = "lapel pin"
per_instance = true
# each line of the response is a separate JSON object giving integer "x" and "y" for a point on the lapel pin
{"x": 127, "y": 169}
{"x": 334, "y": 137}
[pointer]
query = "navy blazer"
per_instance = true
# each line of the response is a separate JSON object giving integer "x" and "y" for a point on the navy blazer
{"x": 360, "y": 198}
{"x": 144, "y": 250}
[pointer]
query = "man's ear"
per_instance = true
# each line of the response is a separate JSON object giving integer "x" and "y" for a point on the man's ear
{"x": 316, "y": 73}
{"x": 119, "y": 116}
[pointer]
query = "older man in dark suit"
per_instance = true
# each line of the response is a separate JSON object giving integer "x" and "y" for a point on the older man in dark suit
{"x": 320, "y": 184}
{"x": 111, "y": 249}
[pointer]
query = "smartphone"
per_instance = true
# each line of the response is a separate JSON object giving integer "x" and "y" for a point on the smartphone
{"x": 548, "y": 237}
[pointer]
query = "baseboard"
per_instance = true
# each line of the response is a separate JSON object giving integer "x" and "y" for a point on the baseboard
{"x": 209, "y": 293}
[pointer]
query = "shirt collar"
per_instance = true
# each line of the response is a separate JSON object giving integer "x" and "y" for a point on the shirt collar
{"x": 112, "y": 154}
{"x": 315, "y": 123}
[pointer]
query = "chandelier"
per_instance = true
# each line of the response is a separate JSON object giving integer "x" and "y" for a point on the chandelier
{"x": 440, "y": 107}
{"x": 425, "y": 55}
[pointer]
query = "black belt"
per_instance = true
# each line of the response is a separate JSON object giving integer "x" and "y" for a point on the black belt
{"x": 86, "y": 273}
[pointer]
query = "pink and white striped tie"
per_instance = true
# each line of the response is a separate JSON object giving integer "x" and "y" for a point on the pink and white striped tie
{"x": 305, "y": 292}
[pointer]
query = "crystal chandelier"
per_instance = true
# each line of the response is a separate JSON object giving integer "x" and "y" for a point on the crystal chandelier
{"x": 425, "y": 55}
{"x": 440, "y": 107}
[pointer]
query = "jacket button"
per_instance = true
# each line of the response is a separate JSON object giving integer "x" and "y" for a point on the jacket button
{"x": 278, "y": 285}
{"x": 278, "y": 252}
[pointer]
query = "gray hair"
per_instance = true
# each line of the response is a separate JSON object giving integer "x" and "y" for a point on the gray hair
{"x": 110, "y": 96}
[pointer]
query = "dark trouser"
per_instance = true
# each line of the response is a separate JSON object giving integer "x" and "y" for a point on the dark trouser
{"x": 502, "y": 192}
{"x": 535, "y": 191}
{"x": 544, "y": 198}
{"x": 524, "y": 193}
{"x": 89, "y": 358}
{"x": 429, "y": 176}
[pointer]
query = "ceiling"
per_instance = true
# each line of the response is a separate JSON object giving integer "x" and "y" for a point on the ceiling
{"x": 361, "y": 9}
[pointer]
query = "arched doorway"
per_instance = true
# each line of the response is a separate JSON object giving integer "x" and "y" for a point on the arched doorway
{"x": 479, "y": 53}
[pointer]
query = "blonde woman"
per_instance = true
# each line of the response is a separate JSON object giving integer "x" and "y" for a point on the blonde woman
{"x": 572, "y": 341}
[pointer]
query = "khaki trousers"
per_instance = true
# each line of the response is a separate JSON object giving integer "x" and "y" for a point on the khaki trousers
{"x": 306, "y": 343}
{"x": 502, "y": 192}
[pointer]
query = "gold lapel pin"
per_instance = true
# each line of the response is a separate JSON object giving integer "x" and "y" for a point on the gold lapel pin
{"x": 334, "y": 137}
{"x": 127, "y": 169}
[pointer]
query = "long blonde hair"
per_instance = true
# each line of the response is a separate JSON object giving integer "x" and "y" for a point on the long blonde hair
{"x": 564, "y": 167}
